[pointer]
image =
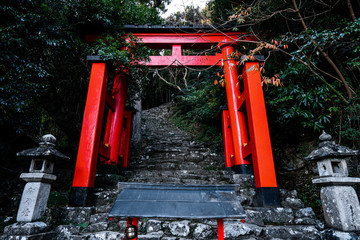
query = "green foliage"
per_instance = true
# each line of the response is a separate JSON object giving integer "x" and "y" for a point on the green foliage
{"x": 57, "y": 199}
{"x": 123, "y": 54}
{"x": 304, "y": 103}
{"x": 197, "y": 109}
{"x": 43, "y": 70}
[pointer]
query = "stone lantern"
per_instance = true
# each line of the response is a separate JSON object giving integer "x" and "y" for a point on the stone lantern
{"x": 339, "y": 200}
{"x": 37, "y": 189}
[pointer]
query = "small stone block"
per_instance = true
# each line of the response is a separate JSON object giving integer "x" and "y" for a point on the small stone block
{"x": 338, "y": 235}
{"x": 332, "y": 167}
{"x": 238, "y": 229}
{"x": 341, "y": 207}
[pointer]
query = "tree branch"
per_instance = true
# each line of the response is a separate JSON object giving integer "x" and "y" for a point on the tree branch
{"x": 323, "y": 53}
{"x": 352, "y": 14}
{"x": 167, "y": 82}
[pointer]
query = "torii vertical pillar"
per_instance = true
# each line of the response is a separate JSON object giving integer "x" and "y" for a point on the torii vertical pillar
{"x": 260, "y": 144}
{"x": 238, "y": 129}
{"x": 264, "y": 169}
{"x": 119, "y": 92}
{"x": 86, "y": 161}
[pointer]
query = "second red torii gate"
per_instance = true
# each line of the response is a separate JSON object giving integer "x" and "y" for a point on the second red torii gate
{"x": 246, "y": 134}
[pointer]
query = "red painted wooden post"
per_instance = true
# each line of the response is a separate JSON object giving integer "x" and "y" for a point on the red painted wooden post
{"x": 220, "y": 223}
{"x": 85, "y": 168}
{"x": 119, "y": 91}
{"x": 233, "y": 95}
{"x": 228, "y": 142}
{"x": 264, "y": 170}
{"x": 125, "y": 139}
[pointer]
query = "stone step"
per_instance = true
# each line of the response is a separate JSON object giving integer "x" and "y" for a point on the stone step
{"x": 187, "y": 173}
{"x": 258, "y": 225}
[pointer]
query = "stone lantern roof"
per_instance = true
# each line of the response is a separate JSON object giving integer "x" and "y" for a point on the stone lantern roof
{"x": 327, "y": 148}
{"x": 46, "y": 150}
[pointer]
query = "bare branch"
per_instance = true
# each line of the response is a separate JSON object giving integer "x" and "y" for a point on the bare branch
{"x": 167, "y": 82}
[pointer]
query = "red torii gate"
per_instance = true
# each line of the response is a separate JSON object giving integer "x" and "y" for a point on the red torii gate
{"x": 246, "y": 135}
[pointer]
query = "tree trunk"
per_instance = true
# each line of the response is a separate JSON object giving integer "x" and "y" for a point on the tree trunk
{"x": 352, "y": 14}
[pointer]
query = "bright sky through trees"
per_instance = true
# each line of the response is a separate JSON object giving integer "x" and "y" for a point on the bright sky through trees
{"x": 179, "y": 6}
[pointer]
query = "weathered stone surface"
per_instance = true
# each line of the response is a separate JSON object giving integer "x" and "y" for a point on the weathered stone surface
{"x": 100, "y": 217}
{"x": 105, "y": 235}
{"x": 341, "y": 207}
{"x": 180, "y": 228}
{"x": 254, "y": 217}
{"x": 76, "y": 215}
{"x": 328, "y": 148}
{"x": 294, "y": 203}
{"x": 45, "y": 150}
{"x": 105, "y": 197}
{"x": 291, "y": 232}
{"x": 25, "y": 228}
{"x": 305, "y": 212}
{"x": 65, "y": 231}
{"x": 153, "y": 226}
{"x": 305, "y": 221}
{"x": 305, "y": 216}
{"x": 202, "y": 231}
{"x": 33, "y": 202}
{"x": 122, "y": 226}
{"x": 150, "y": 237}
{"x": 330, "y": 234}
{"x": 244, "y": 180}
{"x": 103, "y": 208}
{"x": 276, "y": 215}
{"x": 238, "y": 229}
{"x": 39, "y": 236}
{"x": 246, "y": 196}
{"x": 97, "y": 227}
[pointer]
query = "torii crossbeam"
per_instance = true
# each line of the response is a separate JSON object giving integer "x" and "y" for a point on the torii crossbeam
{"x": 246, "y": 135}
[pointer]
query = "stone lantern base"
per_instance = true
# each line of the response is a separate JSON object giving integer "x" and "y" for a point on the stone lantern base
{"x": 341, "y": 207}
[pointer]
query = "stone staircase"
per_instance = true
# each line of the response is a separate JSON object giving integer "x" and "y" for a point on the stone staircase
{"x": 172, "y": 156}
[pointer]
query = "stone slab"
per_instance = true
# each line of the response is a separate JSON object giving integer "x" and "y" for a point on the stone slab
{"x": 177, "y": 201}
{"x": 22, "y": 229}
{"x": 38, "y": 177}
{"x": 336, "y": 181}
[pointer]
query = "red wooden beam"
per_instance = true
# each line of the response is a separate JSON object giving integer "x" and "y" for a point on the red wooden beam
{"x": 85, "y": 168}
{"x": 178, "y": 60}
{"x": 191, "y": 40}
